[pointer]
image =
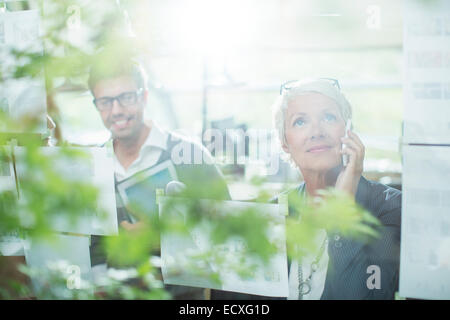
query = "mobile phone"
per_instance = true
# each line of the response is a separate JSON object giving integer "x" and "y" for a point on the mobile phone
{"x": 345, "y": 156}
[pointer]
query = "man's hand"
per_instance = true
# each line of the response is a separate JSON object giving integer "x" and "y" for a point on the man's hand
{"x": 132, "y": 226}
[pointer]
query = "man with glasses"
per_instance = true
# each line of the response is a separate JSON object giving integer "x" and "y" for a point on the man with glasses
{"x": 120, "y": 96}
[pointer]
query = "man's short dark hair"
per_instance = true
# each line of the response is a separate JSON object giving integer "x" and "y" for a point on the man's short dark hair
{"x": 106, "y": 69}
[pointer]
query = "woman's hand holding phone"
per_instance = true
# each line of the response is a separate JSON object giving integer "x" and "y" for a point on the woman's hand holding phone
{"x": 352, "y": 152}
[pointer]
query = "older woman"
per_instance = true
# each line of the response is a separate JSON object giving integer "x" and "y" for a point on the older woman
{"x": 310, "y": 117}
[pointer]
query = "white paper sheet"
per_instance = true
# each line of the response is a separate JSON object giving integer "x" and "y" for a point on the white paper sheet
{"x": 21, "y": 98}
{"x": 426, "y": 90}
{"x": 7, "y": 177}
{"x": 266, "y": 280}
{"x": 11, "y": 243}
{"x": 425, "y": 243}
{"x": 97, "y": 170}
{"x": 69, "y": 254}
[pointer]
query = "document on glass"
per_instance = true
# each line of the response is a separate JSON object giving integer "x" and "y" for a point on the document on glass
{"x": 191, "y": 259}
{"x": 425, "y": 234}
{"x": 10, "y": 243}
{"x": 63, "y": 256}
{"x": 93, "y": 167}
{"x": 24, "y": 98}
{"x": 7, "y": 176}
{"x": 426, "y": 79}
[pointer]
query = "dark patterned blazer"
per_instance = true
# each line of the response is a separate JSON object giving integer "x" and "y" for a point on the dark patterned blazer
{"x": 350, "y": 261}
{"x": 349, "y": 266}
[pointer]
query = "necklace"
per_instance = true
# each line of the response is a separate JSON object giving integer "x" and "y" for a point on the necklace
{"x": 304, "y": 286}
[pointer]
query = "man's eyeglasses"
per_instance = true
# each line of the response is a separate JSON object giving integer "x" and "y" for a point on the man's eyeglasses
{"x": 291, "y": 84}
{"x": 125, "y": 99}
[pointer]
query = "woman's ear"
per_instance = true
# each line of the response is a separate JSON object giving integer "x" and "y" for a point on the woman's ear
{"x": 285, "y": 147}
{"x": 145, "y": 96}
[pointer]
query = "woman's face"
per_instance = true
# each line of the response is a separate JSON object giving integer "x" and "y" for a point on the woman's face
{"x": 313, "y": 130}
